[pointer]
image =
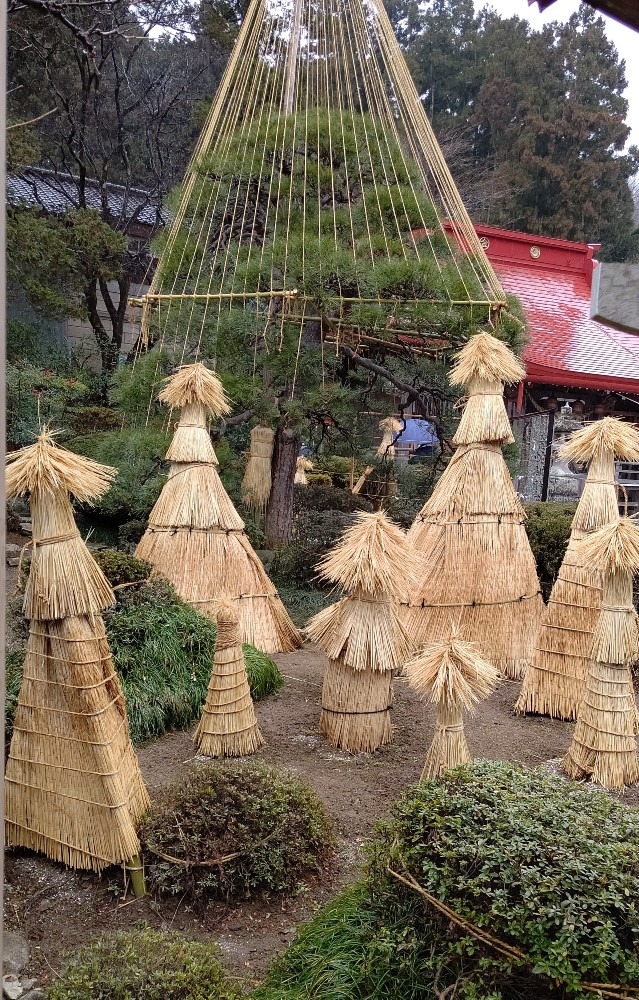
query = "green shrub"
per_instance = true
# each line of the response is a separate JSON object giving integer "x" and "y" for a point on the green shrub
{"x": 314, "y": 533}
{"x": 35, "y": 396}
{"x": 144, "y": 964}
{"x": 12, "y": 681}
{"x": 138, "y": 455}
{"x": 302, "y": 603}
{"x": 93, "y": 419}
{"x": 318, "y": 497}
{"x": 540, "y": 863}
{"x": 237, "y": 827}
{"x": 12, "y": 519}
{"x": 548, "y": 527}
{"x": 163, "y": 652}
{"x": 130, "y": 533}
{"x": 119, "y": 568}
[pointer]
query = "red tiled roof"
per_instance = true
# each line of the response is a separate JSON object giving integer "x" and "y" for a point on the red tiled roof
{"x": 565, "y": 346}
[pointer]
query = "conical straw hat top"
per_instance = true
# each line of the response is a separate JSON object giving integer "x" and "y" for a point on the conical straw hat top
{"x": 373, "y": 556}
{"x": 613, "y": 548}
{"x": 610, "y": 435}
{"x": 486, "y": 357}
{"x": 196, "y": 384}
{"x": 452, "y": 672}
{"x": 44, "y": 467}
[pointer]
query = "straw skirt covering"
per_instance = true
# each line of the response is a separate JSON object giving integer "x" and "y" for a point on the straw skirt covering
{"x": 449, "y": 747}
{"x": 356, "y": 707}
{"x": 73, "y": 787}
{"x": 228, "y": 727}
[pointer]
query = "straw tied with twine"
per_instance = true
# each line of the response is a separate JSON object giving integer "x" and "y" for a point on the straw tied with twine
{"x": 556, "y": 675}
{"x": 477, "y": 559}
{"x": 73, "y": 789}
{"x": 604, "y": 744}
{"x": 196, "y": 538}
{"x": 452, "y": 675}
{"x": 362, "y": 634}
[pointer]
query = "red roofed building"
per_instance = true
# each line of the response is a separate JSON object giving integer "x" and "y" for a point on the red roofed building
{"x": 577, "y": 368}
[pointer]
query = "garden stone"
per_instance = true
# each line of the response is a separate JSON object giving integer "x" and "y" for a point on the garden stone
{"x": 13, "y": 561}
{"x": 26, "y": 527}
{"x": 267, "y": 556}
{"x": 11, "y": 987}
{"x": 34, "y": 995}
{"x": 28, "y": 984}
{"x": 15, "y": 952}
{"x": 11, "y": 549}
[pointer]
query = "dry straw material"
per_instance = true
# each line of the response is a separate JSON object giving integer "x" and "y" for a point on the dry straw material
{"x": 478, "y": 568}
{"x": 555, "y": 677}
{"x": 196, "y": 538}
{"x": 256, "y": 485}
{"x": 302, "y": 466}
{"x": 604, "y": 745}
{"x": 389, "y": 426}
{"x": 362, "y": 634}
{"x": 228, "y": 727}
{"x": 452, "y": 675}
{"x": 73, "y": 789}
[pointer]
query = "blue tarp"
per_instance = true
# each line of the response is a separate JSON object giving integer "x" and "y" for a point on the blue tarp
{"x": 417, "y": 431}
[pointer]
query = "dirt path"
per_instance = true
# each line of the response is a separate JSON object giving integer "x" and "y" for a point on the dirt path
{"x": 58, "y": 910}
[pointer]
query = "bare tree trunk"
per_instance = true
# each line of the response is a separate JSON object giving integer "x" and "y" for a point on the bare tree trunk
{"x": 279, "y": 513}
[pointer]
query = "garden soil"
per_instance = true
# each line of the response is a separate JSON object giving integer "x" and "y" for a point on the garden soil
{"x": 57, "y": 910}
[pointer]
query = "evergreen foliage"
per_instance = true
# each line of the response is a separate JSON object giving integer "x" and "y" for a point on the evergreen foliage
{"x": 144, "y": 964}
{"x": 543, "y": 114}
{"x": 548, "y": 528}
{"x": 537, "y": 862}
{"x": 234, "y": 828}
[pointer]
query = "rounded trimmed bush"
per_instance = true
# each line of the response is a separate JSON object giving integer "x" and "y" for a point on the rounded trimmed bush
{"x": 144, "y": 964}
{"x": 233, "y": 828}
{"x": 548, "y": 528}
{"x": 119, "y": 568}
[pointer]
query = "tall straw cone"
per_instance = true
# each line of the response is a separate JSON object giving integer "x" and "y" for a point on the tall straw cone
{"x": 196, "y": 538}
{"x": 556, "y": 675}
{"x": 73, "y": 788}
{"x": 362, "y": 634}
{"x": 389, "y": 426}
{"x": 452, "y": 675}
{"x": 478, "y": 567}
{"x": 256, "y": 484}
{"x": 302, "y": 466}
{"x": 604, "y": 745}
{"x": 228, "y": 727}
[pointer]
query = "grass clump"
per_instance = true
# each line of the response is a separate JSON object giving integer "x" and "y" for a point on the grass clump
{"x": 234, "y": 828}
{"x": 539, "y": 863}
{"x": 144, "y": 964}
{"x": 163, "y": 652}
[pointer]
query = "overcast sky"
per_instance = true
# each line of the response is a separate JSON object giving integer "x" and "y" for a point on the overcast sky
{"x": 626, "y": 42}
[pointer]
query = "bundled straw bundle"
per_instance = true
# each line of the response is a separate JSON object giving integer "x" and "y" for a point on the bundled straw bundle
{"x": 555, "y": 677}
{"x": 228, "y": 727}
{"x": 452, "y": 675}
{"x": 604, "y": 745}
{"x": 256, "y": 485}
{"x": 479, "y": 568}
{"x": 73, "y": 787}
{"x": 302, "y": 467}
{"x": 362, "y": 634}
{"x": 195, "y": 537}
{"x": 390, "y": 426}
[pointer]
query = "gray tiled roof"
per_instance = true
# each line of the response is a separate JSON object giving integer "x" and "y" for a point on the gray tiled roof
{"x": 58, "y": 192}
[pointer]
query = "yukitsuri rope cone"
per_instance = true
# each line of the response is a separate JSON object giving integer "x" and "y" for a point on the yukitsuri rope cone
{"x": 479, "y": 570}
{"x": 362, "y": 634}
{"x": 73, "y": 788}
{"x": 195, "y": 537}
{"x": 452, "y": 675}
{"x": 390, "y": 426}
{"x": 228, "y": 727}
{"x": 256, "y": 485}
{"x": 604, "y": 745}
{"x": 302, "y": 466}
{"x": 555, "y": 677}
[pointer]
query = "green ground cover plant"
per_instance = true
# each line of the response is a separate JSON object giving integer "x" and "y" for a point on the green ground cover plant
{"x": 234, "y": 828}
{"x": 539, "y": 863}
{"x": 144, "y": 964}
